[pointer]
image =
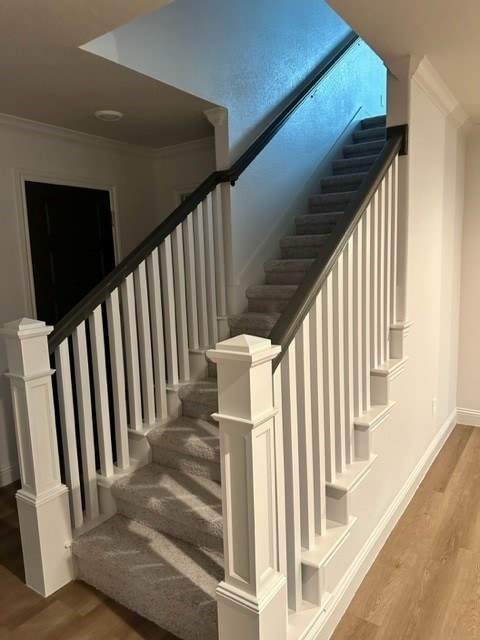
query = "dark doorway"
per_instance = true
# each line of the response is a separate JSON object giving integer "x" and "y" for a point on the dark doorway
{"x": 71, "y": 242}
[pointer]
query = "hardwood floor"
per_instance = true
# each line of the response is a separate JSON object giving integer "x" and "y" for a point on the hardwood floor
{"x": 424, "y": 585}
{"x": 76, "y": 612}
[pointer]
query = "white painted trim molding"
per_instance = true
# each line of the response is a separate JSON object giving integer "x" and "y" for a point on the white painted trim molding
{"x": 185, "y": 147}
{"x": 470, "y": 417}
{"x": 324, "y": 624}
{"x": 9, "y": 473}
{"x": 428, "y": 79}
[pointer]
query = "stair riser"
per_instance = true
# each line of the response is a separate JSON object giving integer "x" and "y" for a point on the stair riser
{"x": 284, "y": 277}
{"x": 330, "y": 185}
{"x": 160, "y": 522}
{"x": 194, "y": 409}
{"x": 352, "y": 165}
{"x": 300, "y": 252}
{"x": 187, "y": 464}
{"x": 251, "y": 330}
{"x": 319, "y": 229}
{"x": 363, "y": 149}
{"x": 375, "y": 121}
{"x": 366, "y": 135}
{"x": 189, "y": 627}
{"x": 322, "y": 204}
{"x": 267, "y": 305}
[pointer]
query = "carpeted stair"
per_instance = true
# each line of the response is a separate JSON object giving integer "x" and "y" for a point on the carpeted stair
{"x": 266, "y": 302}
{"x": 162, "y": 554}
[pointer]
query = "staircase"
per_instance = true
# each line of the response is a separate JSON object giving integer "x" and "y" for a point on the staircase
{"x": 266, "y": 302}
{"x": 161, "y": 555}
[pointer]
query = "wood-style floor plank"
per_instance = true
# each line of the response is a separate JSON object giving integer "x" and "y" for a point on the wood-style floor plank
{"x": 425, "y": 583}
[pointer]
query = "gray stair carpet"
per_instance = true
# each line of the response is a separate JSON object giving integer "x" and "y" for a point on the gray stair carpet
{"x": 161, "y": 555}
{"x": 267, "y": 301}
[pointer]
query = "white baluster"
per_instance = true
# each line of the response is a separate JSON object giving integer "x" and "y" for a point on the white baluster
{"x": 292, "y": 483}
{"x": 145, "y": 343}
{"x": 67, "y": 424}
{"x": 219, "y": 252}
{"x": 393, "y": 252}
{"x": 316, "y": 341}
{"x": 282, "y": 517}
{"x": 201, "y": 276}
{"x": 252, "y": 598}
{"x": 180, "y": 304}
{"x": 305, "y": 438}
{"x": 328, "y": 379}
{"x": 118, "y": 380}
{"x": 388, "y": 263}
{"x": 85, "y": 422}
{"x": 339, "y": 364}
{"x": 191, "y": 284}
{"x": 348, "y": 286}
{"x": 374, "y": 361}
{"x": 42, "y": 502}
{"x": 168, "y": 291}
{"x": 100, "y": 385}
{"x": 366, "y": 304}
{"x": 358, "y": 319}
{"x": 131, "y": 353}
{"x": 158, "y": 342}
{"x": 211, "y": 292}
{"x": 381, "y": 273}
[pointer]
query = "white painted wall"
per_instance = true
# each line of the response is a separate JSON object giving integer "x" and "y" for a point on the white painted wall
{"x": 248, "y": 57}
{"x": 406, "y": 443}
{"x": 469, "y": 358}
{"x": 144, "y": 183}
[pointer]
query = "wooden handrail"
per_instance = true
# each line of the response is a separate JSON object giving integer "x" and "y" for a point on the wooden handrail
{"x": 114, "y": 279}
{"x": 304, "y": 297}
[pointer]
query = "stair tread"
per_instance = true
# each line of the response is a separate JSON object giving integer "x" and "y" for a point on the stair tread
{"x": 343, "y": 179}
{"x": 267, "y": 319}
{"x": 363, "y": 148}
{"x": 317, "y": 218}
{"x": 303, "y": 240}
{"x": 193, "y": 502}
{"x": 199, "y": 391}
{"x": 272, "y": 291}
{"x": 289, "y": 264}
{"x": 352, "y": 475}
{"x": 326, "y": 544}
{"x": 371, "y": 133}
{"x": 340, "y": 196}
{"x": 168, "y": 581}
{"x": 191, "y": 436}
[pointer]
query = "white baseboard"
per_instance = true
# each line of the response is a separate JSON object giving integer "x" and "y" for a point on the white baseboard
{"x": 323, "y": 626}
{"x": 8, "y": 474}
{"x": 470, "y": 417}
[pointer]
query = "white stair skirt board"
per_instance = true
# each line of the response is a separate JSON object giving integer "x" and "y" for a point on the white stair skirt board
{"x": 470, "y": 417}
{"x": 314, "y": 624}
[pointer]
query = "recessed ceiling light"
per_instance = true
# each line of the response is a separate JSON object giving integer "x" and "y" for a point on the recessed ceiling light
{"x": 107, "y": 114}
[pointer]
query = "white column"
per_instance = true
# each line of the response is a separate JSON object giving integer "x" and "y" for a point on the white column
{"x": 43, "y": 500}
{"x": 252, "y": 599}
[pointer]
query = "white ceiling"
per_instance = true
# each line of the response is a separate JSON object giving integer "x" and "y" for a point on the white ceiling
{"x": 44, "y": 76}
{"x": 447, "y": 32}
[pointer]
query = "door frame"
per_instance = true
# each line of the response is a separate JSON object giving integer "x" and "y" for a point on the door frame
{"x": 28, "y": 175}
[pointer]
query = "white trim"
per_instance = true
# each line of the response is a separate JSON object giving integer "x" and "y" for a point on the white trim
{"x": 325, "y": 622}
{"x": 470, "y": 417}
{"x": 183, "y": 190}
{"x": 185, "y": 147}
{"x": 21, "y": 176}
{"x": 9, "y": 473}
{"x": 51, "y": 131}
{"x": 427, "y": 78}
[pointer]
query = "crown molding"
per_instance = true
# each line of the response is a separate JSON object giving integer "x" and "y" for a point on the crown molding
{"x": 52, "y": 131}
{"x": 428, "y": 79}
{"x": 185, "y": 147}
{"x": 22, "y": 125}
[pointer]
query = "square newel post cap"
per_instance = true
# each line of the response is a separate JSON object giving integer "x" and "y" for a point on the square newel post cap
{"x": 244, "y": 349}
{"x": 25, "y": 328}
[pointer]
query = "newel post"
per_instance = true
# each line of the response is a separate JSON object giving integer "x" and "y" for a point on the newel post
{"x": 252, "y": 599}
{"x": 42, "y": 501}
